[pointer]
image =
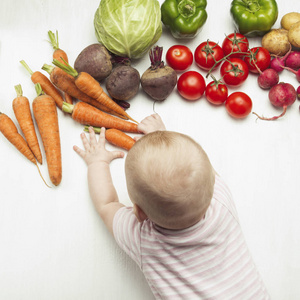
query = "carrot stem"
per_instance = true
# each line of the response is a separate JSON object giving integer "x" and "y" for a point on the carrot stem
{"x": 96, "y": 129}
{"x": 26, "y": 67}
{"x": 66, "y": 67}
{"x": 53, "y": 39}
{"x": 67, "y": 107}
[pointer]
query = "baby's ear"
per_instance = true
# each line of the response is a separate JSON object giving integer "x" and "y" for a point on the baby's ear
{"x": 139, "y": 213}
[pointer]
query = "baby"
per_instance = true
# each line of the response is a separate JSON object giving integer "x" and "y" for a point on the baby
{"x": 183, "y": 230}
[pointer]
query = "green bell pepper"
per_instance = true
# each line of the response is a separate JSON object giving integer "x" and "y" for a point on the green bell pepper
{"x": 254, "y": 17}
{"x": 184, "y": 17}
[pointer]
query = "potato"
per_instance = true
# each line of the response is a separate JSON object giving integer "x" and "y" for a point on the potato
{"x": 276, "y": 41}
{"x": 294, "y": 35}
{"x": 289, "y": 19}
{"x": 95, "y": 60}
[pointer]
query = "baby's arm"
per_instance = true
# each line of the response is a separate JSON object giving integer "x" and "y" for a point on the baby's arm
{"x": 151, "y": 123}
{"x": 102, "y": 190}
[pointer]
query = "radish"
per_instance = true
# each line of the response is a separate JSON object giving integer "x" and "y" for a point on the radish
{"x": 268, "y": 78}
{"x": 278, "y": 62}
{"x": 297, "y": 73}
{"x": 298, "y": 92}
{"x": 293, "y": 60}
{"x": 281, "y": 95}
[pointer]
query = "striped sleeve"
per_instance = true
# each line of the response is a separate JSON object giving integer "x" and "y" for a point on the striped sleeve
{"x": 127, "y": 233}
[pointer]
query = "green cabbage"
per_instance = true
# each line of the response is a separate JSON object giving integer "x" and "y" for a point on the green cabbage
{"x": 128, "y": 28}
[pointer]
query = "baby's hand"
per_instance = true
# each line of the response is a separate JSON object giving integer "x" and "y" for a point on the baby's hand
{"x": 95, "y": 150}
{"x": 151, "y": 123}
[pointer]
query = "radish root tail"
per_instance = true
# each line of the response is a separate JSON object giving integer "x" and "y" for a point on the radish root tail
{"x": 273, "y": 118}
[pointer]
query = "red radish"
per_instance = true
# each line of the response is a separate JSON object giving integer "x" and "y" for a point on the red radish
{"x": 297, "y": 73}
{"x": 281, "y": 95}
{"x": 268, "y": 78}
{"x": 293, "y": 60}
{"x": 298, "y": 92}
{"x": 278, "y": 62}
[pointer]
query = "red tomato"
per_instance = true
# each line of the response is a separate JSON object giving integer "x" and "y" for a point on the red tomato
{"x": 238, "y": 105}
{"x": 191, "y": 85}
{"x": 179, "y": 57}
{"x": 216, "y": 92}
{"x": 235, "y": 42}
{"x": 258, "y": 56}
{"x": 234, "y": 71}
{"x": 206, "y": 55}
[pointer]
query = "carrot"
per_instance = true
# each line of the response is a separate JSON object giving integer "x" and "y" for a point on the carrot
{"x": 47, "y": 86}
{"x": 22, "y": 112}
{"x": 66, "y": 83}
{"x": 10, "y": 131}
{"x": 115, "y": 137}
{"x": 88, "y": 115}
{"x": 90, "y": 86}
{"x": 59, "y": 54}
{"x": 45, "y": 113}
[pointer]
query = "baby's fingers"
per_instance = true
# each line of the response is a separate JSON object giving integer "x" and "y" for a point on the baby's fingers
{"x": 79, "y": 151}
{"x": 117, "y": 154}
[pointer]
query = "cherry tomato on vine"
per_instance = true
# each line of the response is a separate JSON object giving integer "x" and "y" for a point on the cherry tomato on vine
{"x": 234, "y": 71}
{"x": 179, "y": 57}
{"x": 238, "y": 105}
{"x": 207, "y": 54}
{"x": 258, "y": 56}
{"x": 191, "y": 85}
{"x": 216, "y": 92}
{"x": 235, "y": 42}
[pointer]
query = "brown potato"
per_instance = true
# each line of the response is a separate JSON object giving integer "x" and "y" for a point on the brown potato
{"x": 294, "y": 35}
{"x": 276, "y": 41}
{"x": 289, "y": 19}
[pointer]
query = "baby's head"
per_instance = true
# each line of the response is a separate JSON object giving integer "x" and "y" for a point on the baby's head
{"x": 170, "y": 178}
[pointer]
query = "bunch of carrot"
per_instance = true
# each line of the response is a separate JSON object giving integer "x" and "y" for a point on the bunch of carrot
{"x": 29, "y": 145}
{"x": 94, "y": 108}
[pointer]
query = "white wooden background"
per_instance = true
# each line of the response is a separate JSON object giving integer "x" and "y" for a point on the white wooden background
{"x": 53, "y": 245}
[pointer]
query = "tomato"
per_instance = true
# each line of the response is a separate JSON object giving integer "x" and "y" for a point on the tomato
{"x": 235, "y": 42}
{"x": 234, "y": 71}
{"x": 179, "y": 57}
{"x": 258, "y": 56}
{"x": 207, "y": 54}
{"x": 216, "y": 92}
{"x": 238, "y": 105}
{"x": 191, "y": 85}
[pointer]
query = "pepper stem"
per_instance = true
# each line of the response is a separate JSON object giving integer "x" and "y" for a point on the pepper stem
{"x": 186, "y": 8}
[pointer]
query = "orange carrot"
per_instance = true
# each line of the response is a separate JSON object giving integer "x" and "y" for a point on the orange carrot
{"x": 45, "y": 114}
{"x": 66, "y": 83}
{"x": 10, "y": 131}
{"x": 59, "y": 54}
{"x": 90, "y": 86}
{"x": 47, "y": 86}
{"x": 115, "y": 137}
{"x": 88, "y": 115}
{"x": 22, "y": 112}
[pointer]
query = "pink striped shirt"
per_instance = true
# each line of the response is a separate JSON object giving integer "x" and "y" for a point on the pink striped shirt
{"x": 209, "y": 260}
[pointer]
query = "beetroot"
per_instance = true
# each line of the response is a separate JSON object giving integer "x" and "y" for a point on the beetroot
{"x": 268, "y": 78}
{"x": 281, "y": 95}
{"x": 293, "y": 60}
